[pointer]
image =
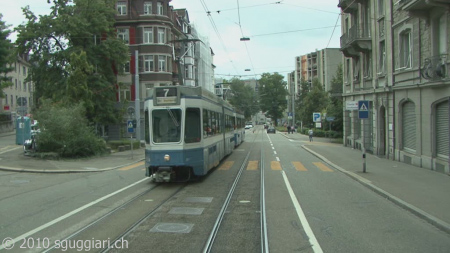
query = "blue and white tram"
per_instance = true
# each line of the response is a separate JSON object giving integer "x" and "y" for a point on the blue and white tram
{"x": 239, "y": 129}
{"x": 188, "y": 131}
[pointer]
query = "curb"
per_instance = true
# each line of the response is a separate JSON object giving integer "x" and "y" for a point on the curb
{"x": 66, "y": 171}
{"x": 442, "y": 225}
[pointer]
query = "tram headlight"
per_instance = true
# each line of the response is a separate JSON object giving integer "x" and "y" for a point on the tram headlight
{"x": 166, "y": 158}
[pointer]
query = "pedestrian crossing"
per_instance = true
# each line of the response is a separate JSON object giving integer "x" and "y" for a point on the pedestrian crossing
{"x": 254, "y": 166}
{"x": 276, "y": 165}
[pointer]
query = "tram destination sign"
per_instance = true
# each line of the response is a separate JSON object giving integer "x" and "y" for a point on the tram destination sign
{"x": 167, "y": 96}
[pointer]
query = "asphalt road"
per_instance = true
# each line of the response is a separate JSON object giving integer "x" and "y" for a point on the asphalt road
{"x": 310, "y": 207}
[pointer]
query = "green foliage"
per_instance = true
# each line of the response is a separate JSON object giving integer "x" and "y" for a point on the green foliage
{"x": 273, "y": 92}
{"x": 324, "y": 133}
{"x": 124, "y": 142}
{"x": 243, "y": 98}
{"x": 65, "y": 131}
{"x": 336, "y": 105}
{"x": 76, "y": 55}
{"x": 5, "y": 57}
{"x": 316, "y": 100}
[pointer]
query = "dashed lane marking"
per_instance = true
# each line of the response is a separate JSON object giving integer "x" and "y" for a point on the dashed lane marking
{"x": 226, "y": 165}
{"x": 129, "y": 167}
{"x": 299, "y": 166}
{"x": 322, "y": 167}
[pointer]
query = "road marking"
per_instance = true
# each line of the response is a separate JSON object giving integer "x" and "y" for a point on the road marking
{"x": 226, "y": 165}
{"x": 9, "y": 150}
{"x": 252, "y": 165}
{"x": 275, "y": 165}
{"x": 67, "y": 215}
{"x": 322, "y": 167}
{"x": 299, "y": 166}
{"x": 301, "y": 215}
{"x": 129, "y": 167}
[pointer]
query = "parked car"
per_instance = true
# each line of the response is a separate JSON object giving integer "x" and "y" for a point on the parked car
{"x": 271, "y": 130}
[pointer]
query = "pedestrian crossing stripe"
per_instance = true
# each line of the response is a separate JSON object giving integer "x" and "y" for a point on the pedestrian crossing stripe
{"x": 226, "y": 165}
{"x": 129, "y": 167}
{"x": 252, "y": 165}
{"x": 274, "y": 165}
{"x": 322, "y": 167}
{"x": 299, "y": 166}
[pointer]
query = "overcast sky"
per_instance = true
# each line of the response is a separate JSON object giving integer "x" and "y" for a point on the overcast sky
{"x": 278, "y": 31}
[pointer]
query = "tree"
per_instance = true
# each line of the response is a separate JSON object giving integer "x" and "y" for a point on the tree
{"x": 302, "y": 94}
{"x": 5, "y": 57}
{"x": 335, "y": 107}
{"x": 243, "y": 98}
{"x": 315, "y": 101}
{"x": 273, "y": 92}
{"x": 76, "y": 55}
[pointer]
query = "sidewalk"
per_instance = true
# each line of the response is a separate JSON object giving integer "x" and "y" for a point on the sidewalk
{"x": 15, "y": 160}
{"x": 423, "y": 192}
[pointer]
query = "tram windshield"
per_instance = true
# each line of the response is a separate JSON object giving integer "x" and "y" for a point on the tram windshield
{"x": 166, "y": 125}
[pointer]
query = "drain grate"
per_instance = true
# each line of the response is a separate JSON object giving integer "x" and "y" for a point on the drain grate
{"x": 172, "y": 228}
{"x": 198, "y": 199}
{"x": 186, "y": 210}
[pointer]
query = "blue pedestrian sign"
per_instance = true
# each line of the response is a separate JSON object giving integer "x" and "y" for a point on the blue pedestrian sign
{"x": 317, "y": 117}
{"x": 363, "y": 109}
{"x": 130, "y": 126}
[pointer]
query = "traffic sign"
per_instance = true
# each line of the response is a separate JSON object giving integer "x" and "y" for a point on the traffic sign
{"x": 130, "y": 126}
{"x": 330, "y": 118}
{"x": 363, "y": 109}
{"x": 317, "y": 117}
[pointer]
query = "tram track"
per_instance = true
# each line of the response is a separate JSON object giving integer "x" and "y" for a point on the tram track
{"x": 264, "y": 246}
{"x": 98, "y": 228}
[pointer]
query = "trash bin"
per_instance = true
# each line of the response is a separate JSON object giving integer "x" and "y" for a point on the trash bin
{"x": 23, "y": 129}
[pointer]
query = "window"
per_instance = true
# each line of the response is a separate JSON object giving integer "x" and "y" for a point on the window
{"x": 381, "y": 8}
{"x": 160, "y": 9}
{"x": 126, "y": 67}
{"x": 162, "y": 63}
{"x": 409, "y": 126}
{"x": 149, "y": 64}
{"x": 122, "y": 8}
{"x": 6, "y": 99}
{"x": 405, "y": 49}
{"x": 147, "y": 126}
{"x": 24, "y": 71}
{"x": 192, "y": 130}
{"x": 148, "y": 8}
{"x": 20, "y": 85}
{"x": 356, "y": 69}
{"x": 166, "y": 125}
{"x": 367, "y": 65}
{"x": 348, "y": 72}
{"x": 16, "y": 83}
{"x": 382, "y": 58}
{"x": 148, "y": 35}
{"x": 161, "y": 35}
{"x": 12, "y": 100}
{"x": 125, "y": 94}
{"x": 123, "y": 33}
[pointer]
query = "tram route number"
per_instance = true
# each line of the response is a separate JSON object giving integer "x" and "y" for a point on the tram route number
{"x": 166, "y": 95}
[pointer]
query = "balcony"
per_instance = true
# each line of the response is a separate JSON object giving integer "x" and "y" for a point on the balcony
{"x": 435, "y": 68}
{"x": 349, "y": 6}
{"x": 421, "y": 8}
{"x": 356, "y": 40}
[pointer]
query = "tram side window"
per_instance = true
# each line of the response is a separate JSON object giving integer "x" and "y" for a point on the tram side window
{"x": 166, "y": 125}
{"x": 147, "y": 127}
{"x": 206, "y": 127}
{"x": 193, "y": 125}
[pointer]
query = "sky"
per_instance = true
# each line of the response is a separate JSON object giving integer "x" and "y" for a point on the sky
{"x": 278, "y": 30}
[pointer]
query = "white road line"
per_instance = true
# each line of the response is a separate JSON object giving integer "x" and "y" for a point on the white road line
{"x": 9, "y": 150}
{"x": 278, "y": 159}
{"x": 275, "y": 152}
{"x": 67, "y": 215}
{"x": 312, "y": 239}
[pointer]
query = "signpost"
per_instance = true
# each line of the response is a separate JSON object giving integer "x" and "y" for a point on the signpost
{"x": 131, "y": 131}
{"x": 363, "y": 113}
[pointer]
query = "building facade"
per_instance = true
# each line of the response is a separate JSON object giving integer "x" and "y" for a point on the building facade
{"x": 396, "y": 58}
{"x": 18, "y": 97}
{"x": 163, "y": 50}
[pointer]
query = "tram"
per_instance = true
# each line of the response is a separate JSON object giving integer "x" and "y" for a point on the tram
{"x": 188, "y": 131}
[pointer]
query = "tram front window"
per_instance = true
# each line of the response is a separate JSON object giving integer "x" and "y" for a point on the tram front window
{"x": 166, "y": 125}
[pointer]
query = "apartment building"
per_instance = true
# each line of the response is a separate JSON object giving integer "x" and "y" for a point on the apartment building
{"x": 18, "y": 97}
{"x": 396, "y": 58}
{"x": 163, "y": 48}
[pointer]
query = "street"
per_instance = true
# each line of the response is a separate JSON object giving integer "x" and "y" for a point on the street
{"x": 311, "y": 206}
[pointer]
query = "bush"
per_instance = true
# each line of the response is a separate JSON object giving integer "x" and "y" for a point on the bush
{"x": 323, "y": 133}
{"x": 124, "y": 142}
{"x": 65, "y": 131}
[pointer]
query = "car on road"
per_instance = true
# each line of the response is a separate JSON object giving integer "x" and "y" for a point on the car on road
{"x": 248, "y": 126}
{"x": 271, "y": 130}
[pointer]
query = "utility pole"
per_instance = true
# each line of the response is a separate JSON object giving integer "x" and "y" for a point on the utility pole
{"x": 137, "y": 103}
